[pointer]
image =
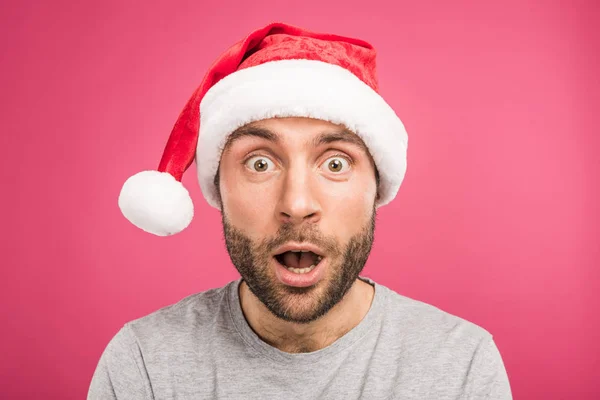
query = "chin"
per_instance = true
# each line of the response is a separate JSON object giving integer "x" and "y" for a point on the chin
{"x": 299, "y": 304}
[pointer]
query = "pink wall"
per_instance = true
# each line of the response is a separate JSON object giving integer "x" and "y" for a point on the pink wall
{"x": 497, "y": 221}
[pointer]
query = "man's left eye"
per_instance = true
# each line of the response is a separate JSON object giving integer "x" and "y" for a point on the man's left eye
{"x": 336, "y": 164}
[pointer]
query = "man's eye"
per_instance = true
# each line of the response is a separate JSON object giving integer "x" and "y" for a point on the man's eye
{"x": 336, "y": 164}
{"x": 259, "y": 164}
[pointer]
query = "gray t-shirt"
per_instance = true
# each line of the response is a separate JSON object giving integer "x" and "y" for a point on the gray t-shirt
{"x": 203, "y": 348}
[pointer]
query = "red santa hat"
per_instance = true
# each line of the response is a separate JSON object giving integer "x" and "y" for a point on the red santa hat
{"x": 276, "y": 71}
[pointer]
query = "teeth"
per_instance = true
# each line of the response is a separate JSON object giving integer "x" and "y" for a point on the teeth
{"x": 301, "y": 270}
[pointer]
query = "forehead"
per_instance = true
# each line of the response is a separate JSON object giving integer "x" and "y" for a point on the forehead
{"x": 307, "y": 131}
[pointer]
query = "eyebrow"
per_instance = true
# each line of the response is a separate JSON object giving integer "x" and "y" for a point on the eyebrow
{"x": 342, "y": 135}
{"x": 251, "y": 131}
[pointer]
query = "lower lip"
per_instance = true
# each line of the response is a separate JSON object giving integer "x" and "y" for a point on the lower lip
{"x": 290, "y": 278}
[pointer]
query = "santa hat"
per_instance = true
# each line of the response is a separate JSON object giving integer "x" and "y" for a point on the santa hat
{"x": 276, "y": 71}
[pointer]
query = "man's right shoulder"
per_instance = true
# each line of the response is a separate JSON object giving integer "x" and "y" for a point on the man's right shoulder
{"x": 123, "y": 370}
{"x": 193, "y": 313}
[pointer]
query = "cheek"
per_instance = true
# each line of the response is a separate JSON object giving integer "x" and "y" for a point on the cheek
{"x": 247, "y": 204}
{"x": 353, "y": 197}
{"x": 348, "y": 207}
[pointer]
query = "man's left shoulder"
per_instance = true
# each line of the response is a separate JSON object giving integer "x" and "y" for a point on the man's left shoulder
{"x": 443, "y": 351}
{"x": 425, "y": 325}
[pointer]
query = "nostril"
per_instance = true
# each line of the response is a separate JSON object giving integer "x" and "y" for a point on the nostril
{"x": 285, "y": 217}
{"x": 299, "y": 217}
{"x": 312, "y": 217}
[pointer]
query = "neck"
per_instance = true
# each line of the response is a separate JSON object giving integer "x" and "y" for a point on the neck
{"x": 302, "y": 338}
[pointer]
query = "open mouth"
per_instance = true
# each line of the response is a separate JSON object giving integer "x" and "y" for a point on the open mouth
{"x": 299, "y": 261}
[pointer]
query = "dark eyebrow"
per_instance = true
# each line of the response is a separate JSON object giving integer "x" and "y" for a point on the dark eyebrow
{"x": 343, "y": 135}
{"x": 251, "y": 131}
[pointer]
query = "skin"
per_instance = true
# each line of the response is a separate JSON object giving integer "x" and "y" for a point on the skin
{"x": 279, "y": 183}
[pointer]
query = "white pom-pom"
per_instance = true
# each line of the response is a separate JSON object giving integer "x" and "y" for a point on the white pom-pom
{"x": 156, "y": 202}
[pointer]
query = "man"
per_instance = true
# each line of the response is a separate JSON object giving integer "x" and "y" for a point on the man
{"x": 297, "y": 149}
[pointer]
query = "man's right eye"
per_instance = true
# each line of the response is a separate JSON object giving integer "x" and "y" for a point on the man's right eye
{"x": 260, "y": 164}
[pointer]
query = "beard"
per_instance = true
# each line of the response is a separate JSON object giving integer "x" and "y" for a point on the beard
{"x": 299, "y": 304}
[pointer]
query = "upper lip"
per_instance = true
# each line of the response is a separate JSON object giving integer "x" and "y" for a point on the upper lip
{"x": 299, "y": 247}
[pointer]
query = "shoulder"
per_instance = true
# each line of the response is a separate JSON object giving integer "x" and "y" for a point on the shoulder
{"x": 149, "y": 343}
{"x": 188, "y": 317}
{"x": 427, "y": 322}
{"x": 436, "y": 342}
{"x": 423, "y": 333}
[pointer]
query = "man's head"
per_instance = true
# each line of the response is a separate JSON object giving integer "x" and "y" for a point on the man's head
{"x": 303, "y": 182}
{"x": 281, "y": 75}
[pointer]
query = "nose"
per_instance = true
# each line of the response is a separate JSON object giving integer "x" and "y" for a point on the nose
{"x": 298, "y": 201}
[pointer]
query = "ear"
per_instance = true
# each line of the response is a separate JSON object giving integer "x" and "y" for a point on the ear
{"x": 217, "y": 183}
{"x": 377, "y": 181}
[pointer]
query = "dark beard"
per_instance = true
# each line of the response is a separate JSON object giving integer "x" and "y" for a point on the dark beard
{"x": 293, "y": 304}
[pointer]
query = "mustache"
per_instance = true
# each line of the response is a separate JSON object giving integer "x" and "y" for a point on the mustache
{"x": 302, "y": 234}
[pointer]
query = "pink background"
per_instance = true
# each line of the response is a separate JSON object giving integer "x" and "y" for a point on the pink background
{"x": 497, "y": 220}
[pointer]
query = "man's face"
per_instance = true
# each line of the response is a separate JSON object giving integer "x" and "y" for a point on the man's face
{"x": 297, "y": 184}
